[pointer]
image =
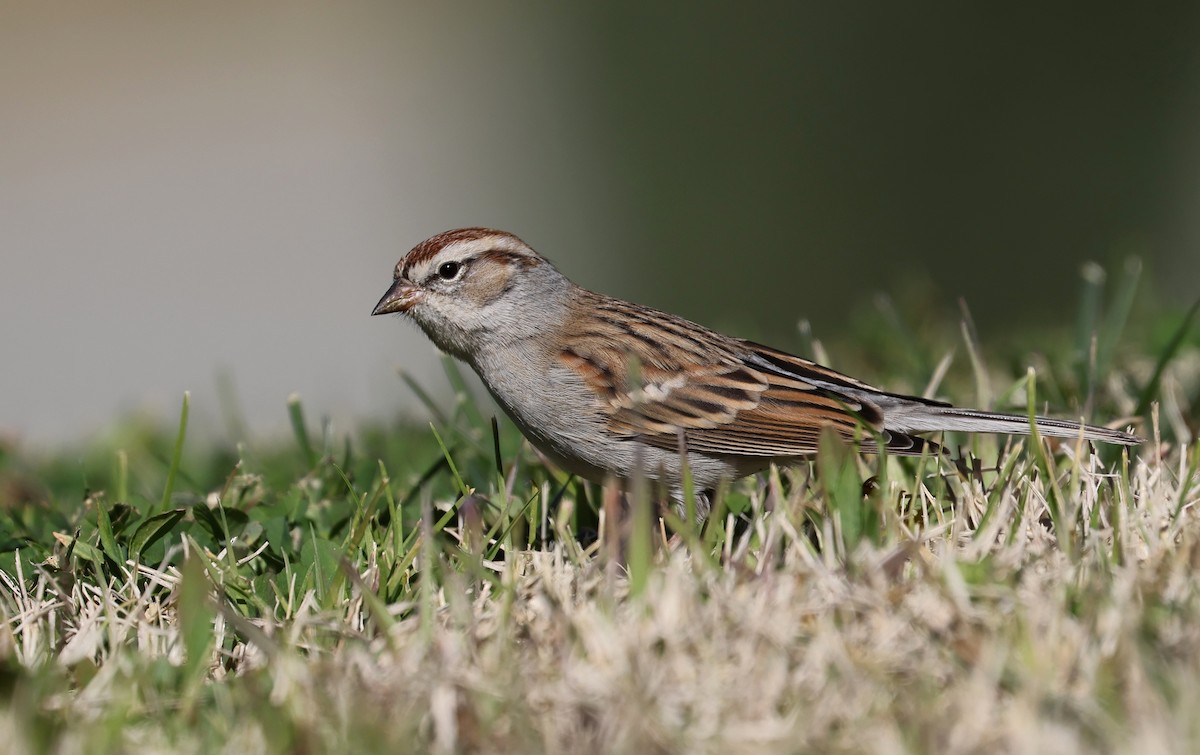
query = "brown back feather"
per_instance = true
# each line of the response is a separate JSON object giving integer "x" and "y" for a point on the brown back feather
{"x": 728, "y": 396}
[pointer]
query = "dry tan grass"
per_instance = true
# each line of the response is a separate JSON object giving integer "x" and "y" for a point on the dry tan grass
{"x": 960, "y": 633}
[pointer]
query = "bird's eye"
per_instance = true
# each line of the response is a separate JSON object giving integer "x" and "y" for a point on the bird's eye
{"x": 448, "y": 271}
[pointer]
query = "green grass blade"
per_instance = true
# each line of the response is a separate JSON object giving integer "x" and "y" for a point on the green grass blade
{"x": 462, "y": 390}
{"x": 153, "y": 529}
{"x": 122, "y": 477}
{"x": 458, "y": 480}
{"x": 1150, "y": 391}
{"x": 1117, "y": 318}
{"x": 108, "y": 542}
{"x": 1087, "y": 322}
{"x": 983, "y": 385}
{"x": 1055, "y": 501}
{"x": 195, "y": 610}
{"x": 177, "y": 453}
{"x": 300, "y": 430}
{"x": 426, "y": 400}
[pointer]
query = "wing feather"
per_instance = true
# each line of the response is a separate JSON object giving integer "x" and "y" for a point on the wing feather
{"x": 655, "y": 374}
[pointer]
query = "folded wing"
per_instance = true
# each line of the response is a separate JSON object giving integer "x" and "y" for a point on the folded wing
{"x": 656, "y": 375}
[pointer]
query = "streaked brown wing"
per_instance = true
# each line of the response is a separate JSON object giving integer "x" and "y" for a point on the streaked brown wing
{"x": 787, "y": 421}
{"x": 808, "y": 396}
{"x": 656, "y": 374}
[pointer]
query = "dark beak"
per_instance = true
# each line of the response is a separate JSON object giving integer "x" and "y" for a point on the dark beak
{"x": 399, "y": 298}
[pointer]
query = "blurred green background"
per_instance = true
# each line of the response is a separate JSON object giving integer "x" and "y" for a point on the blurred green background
{"x": 791, "y": 159}
{"x": 198, "y": 189}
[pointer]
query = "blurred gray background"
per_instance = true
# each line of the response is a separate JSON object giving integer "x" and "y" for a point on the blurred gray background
{"x": 212, "y": 188}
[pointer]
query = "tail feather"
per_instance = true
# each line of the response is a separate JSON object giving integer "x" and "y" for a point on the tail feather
{"x": 920, "y": 418}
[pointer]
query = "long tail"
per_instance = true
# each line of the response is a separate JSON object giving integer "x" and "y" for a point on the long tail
{"x": 919, "y": 418}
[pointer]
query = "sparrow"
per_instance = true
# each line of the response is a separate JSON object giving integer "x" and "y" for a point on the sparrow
{"x": 606, "y": 388}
